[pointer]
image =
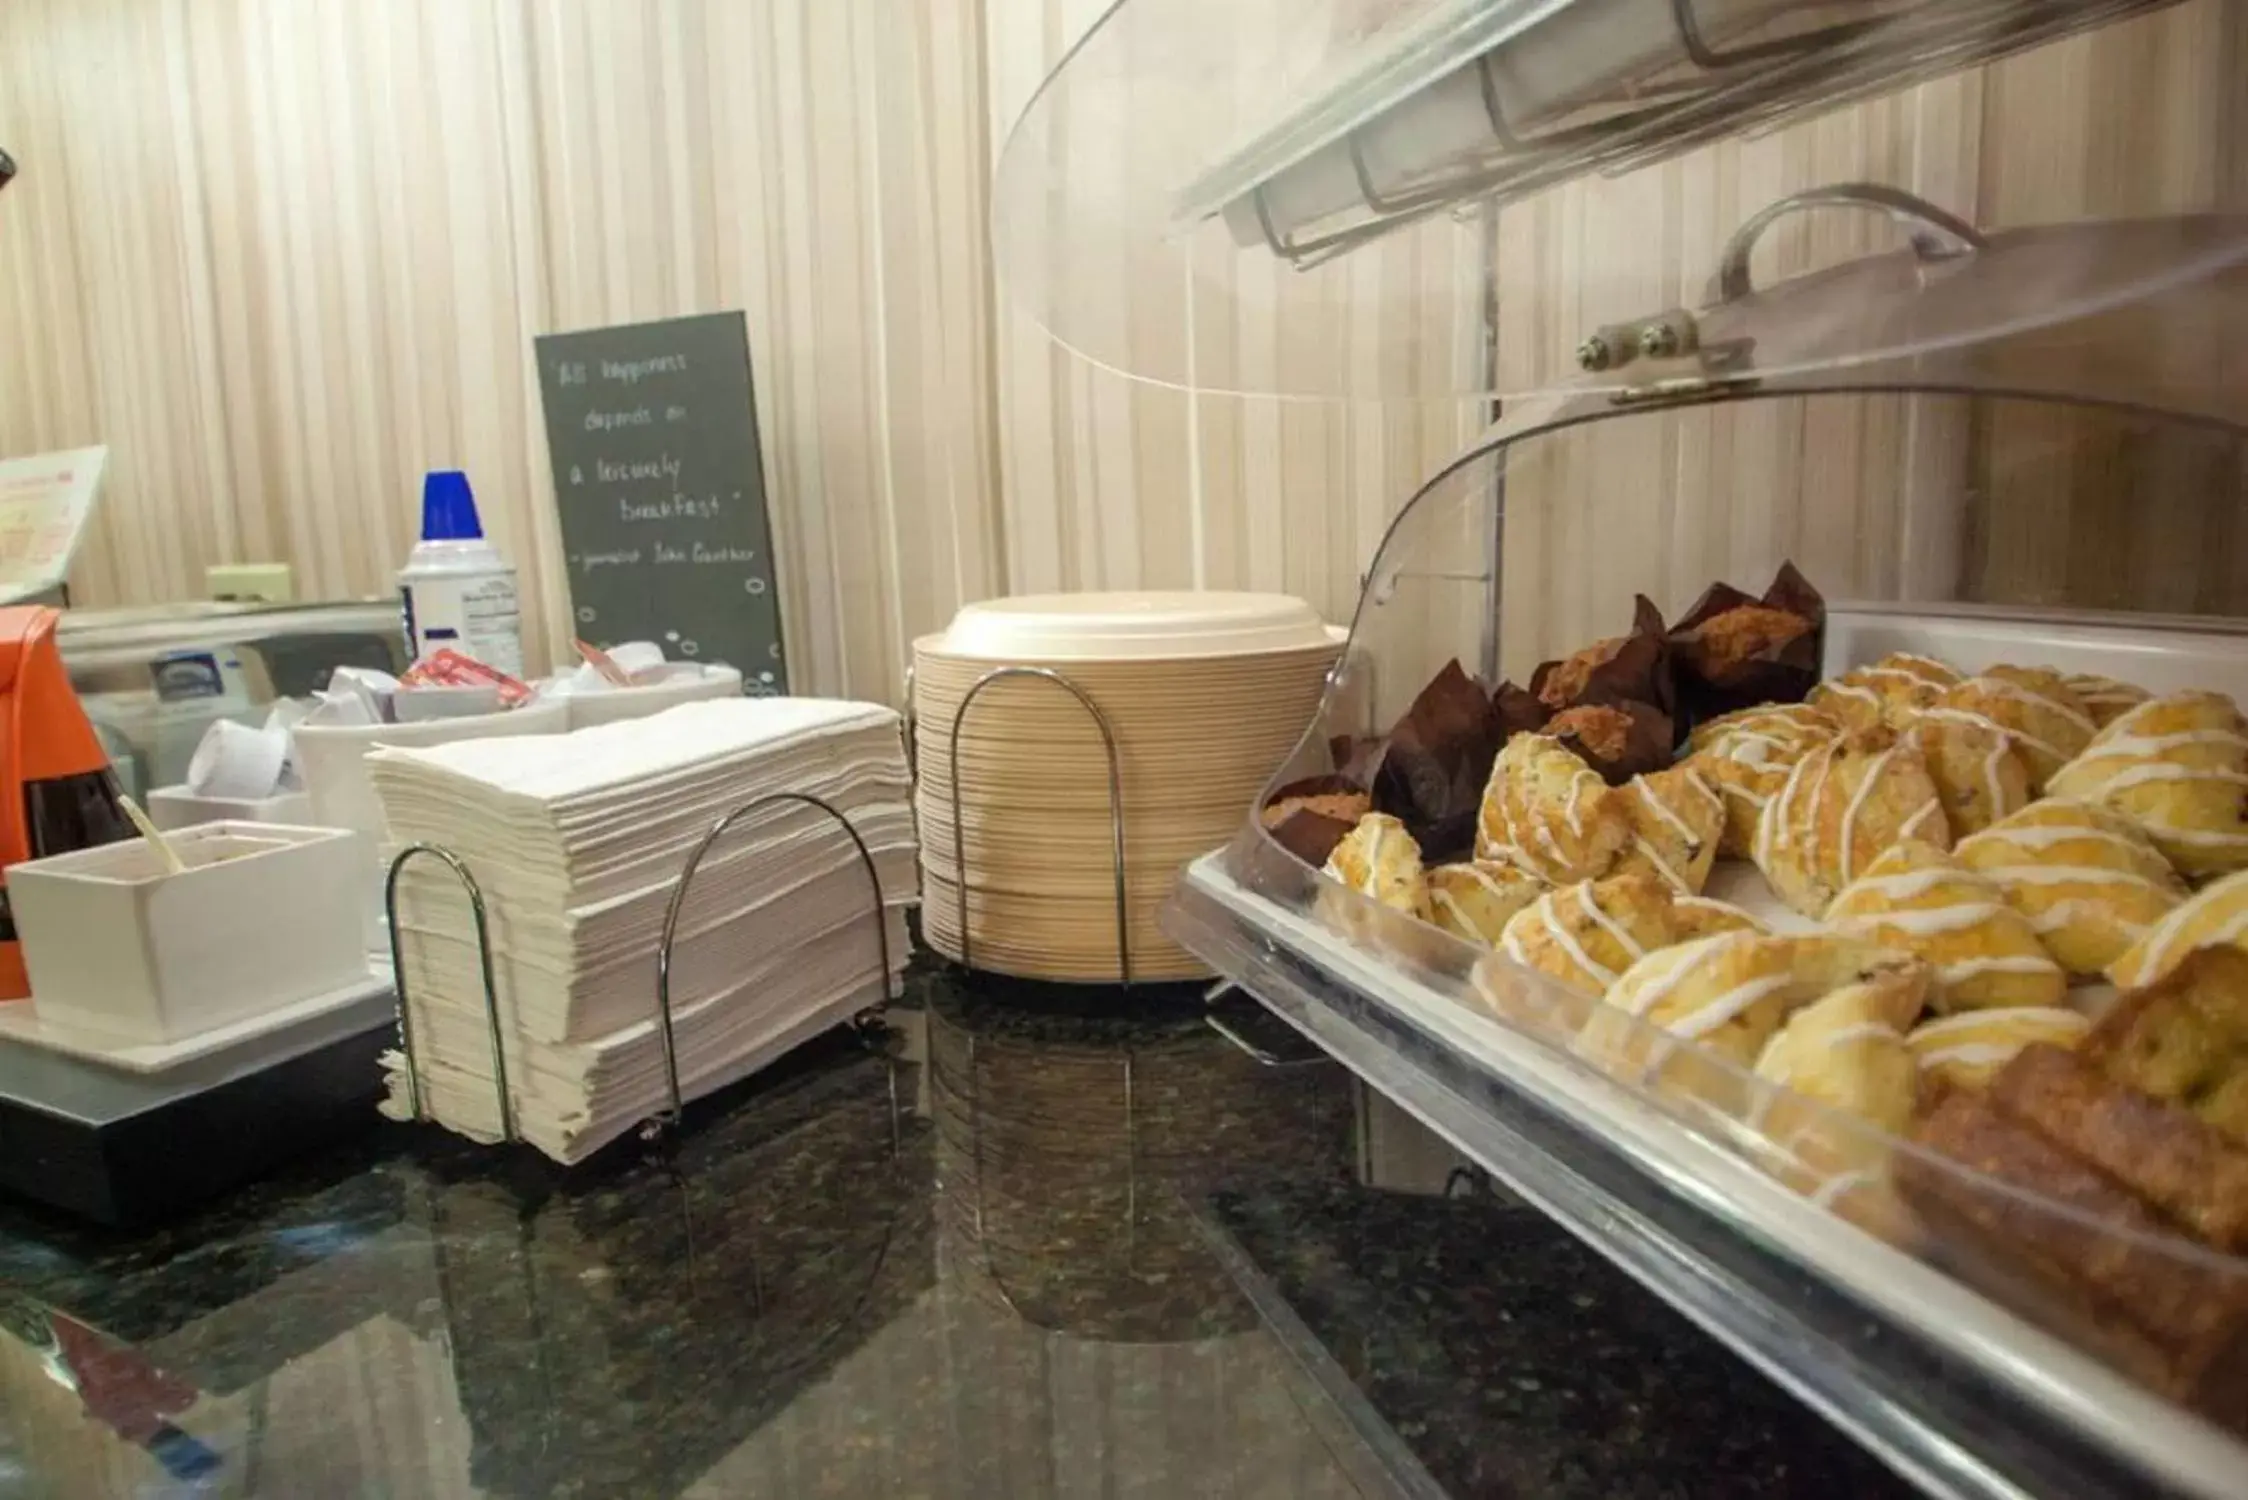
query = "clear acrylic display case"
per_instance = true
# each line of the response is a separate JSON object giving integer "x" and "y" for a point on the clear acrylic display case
{"x": 2026, "y": 445}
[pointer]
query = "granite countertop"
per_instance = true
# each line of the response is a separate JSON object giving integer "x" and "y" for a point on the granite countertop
{"x": 1006, "y": 1247}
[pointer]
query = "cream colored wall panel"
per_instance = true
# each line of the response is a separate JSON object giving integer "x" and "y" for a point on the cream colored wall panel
{"x": 283, "y": 255}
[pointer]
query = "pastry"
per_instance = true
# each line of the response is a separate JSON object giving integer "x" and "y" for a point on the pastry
{"x": 2174, "y": 1322}
{"x": 1979, "y": 771}
{"x": 1476, "y": 901}
{"x": 1379, "y": 859}
{"x": 1731, "y": 651}
{"x": 2216, "y": 917}
{"x": 1986, "y": 954}
{"x": 2034, "y": 705}
{"x": 2178, "y": 767}
{"x": 1587, "y": 934}
{"x": 2090, "y": 883}
{"x": 1619, "y": 740}
{"x": 2185, "y": 1038}
{"x": 1747, "y": 757}
{"x": 1967, "y": 1050}
{"x": 1843, "y": 1052}
{"x": 1549, "y": 814}
{"x": 1677, "y": 818}
{"x": 1730, "y": 993}
{"x": 1891, "y": 692}
{"x": 2105, "y": 699}
{"x": 1841, "y": 806}
{"x": 2182, "y": 1166}
{"x": 1706, "y": 916}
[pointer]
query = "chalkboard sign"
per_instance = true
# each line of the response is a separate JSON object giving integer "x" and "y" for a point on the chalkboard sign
{"x": 652, "y": 431}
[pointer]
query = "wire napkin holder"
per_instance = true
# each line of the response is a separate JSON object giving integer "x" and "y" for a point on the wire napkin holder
{"x": 416, "y": 1095}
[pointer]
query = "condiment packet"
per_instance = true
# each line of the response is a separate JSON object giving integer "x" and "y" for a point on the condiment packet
{"x": 446, "y": 667}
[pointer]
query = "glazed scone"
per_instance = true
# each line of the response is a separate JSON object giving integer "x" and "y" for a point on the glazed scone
{"x": 1549, "y": 814}
{"x": 2104, "y": 698}
{"x": 2215, "y": 917}
{"x": 1379, "y": 859}
{"x": 1677, "y": 818}
{"x": 1585, "y": 935}
{"x": 1844, "y": 1052}
{"x": 2177, "y": 767}
{"x": 1967, "y": 1049}
{"x": 1706, "y": 916}
{"x": 1476, "y": 900}
{"x": 1920, "y": 899}
{"x": 1747, "y": 756}
{"x": 1978, "y": 769}
{"x": 2048, "y": 723}
{"x": 1730, "y": 994}
{"x": 1891, "y": 692}
{"x": 2089, "y": 881}
{"x": 1843, "y": 805}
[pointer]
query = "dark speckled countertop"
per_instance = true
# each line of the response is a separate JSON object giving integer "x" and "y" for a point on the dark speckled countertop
{"x": 1009, "y": 1248}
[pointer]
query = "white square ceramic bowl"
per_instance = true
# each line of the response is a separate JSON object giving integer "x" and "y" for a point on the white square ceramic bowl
{"x": 263, "y": 917}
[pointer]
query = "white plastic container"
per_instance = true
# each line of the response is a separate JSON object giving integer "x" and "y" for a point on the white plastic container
{"x": 456, "y": 588}
{"x": 173, "y": 807}
{"x": 263, "y": 917}
{"x": 687, "y": 683}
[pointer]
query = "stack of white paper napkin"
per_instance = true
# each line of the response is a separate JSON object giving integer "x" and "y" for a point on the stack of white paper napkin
{"x": 577, "y": 842}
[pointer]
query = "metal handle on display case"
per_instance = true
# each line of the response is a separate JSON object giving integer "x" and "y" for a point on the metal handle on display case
{"x": 1115, "y": 808}
{"x": 1936, "y": 234}
{"x": 671, "y": 1117}
{"x": 460, "y": 869}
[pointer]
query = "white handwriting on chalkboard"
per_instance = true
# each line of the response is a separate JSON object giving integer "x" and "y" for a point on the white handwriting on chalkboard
{"x": 608, "y": 471}
{"x": 677, "y": 507}
{"x": 704, "y": 553}
{"x": 594, "y": 562}
{"x": 612, "y": 421}
{"x": 570, "y": 373}
{"x": 633, "y": 371}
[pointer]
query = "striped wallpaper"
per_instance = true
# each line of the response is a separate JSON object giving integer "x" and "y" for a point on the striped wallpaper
{"x": 283, "y": 255}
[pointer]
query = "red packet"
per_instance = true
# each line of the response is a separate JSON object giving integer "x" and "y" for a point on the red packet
{"x": 446, "y": 667}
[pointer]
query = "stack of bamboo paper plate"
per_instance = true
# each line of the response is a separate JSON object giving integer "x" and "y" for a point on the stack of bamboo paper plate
{"x": 1206, "y": 694}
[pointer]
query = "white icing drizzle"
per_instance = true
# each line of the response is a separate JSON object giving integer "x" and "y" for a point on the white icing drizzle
{"x": 1973, "y": 1054}
{"x": 2205, "y": 837}
{"x": 2006, "y": 688}
{"x": 1969, "y": 968}
{"x": 1834, "y": 1187}
{"x": 1665, "y": 812}
{"x": 2043, "y": 1021}
{"x": 2068, "y": 875}
{"x": 2046, "y": 835}
{"x": 2132, "y": 776}
{"x": 2158, "y": 744}
{"x": 2159, "y": 953}
{"x": 1656, "y": 988}
{"x": 1562, "y": 937}
{"x": 1569, "y": 811}
{"x": 1857, "y": 803}
{"x": 1860, "y": 1031}
{"x": 1992, "y": 783}
{"x": 1984, "y": 721}
{"x": 1842, "y": 688}
{"x": 1904, "y": 885}
{"x": 2062, "y": 915}
{"x": 1444, "y": 899}
{"x": 1929, "y": 809}
{"x": 1589, "y": 899}
{"x": 1770, "y": 826}
{"x": 1670, "y": 876}
{"x": 1716, "y": 1012}
{"x": 1921, "y": 921}
{"x": 1752, "y": 924}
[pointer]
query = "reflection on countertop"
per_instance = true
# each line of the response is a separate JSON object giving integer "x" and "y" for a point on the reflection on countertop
{"x": 998, "y": 1249}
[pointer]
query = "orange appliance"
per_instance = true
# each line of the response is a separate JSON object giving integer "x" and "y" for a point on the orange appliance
{"x": 56, "y": 789}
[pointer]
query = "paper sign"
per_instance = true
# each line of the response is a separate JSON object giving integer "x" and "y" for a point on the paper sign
{"x": 44, "y": 503}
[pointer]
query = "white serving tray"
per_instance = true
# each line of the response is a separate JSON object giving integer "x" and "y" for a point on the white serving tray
{"x": 18, "y": 1023}
{"x": 2042, "y": 1371}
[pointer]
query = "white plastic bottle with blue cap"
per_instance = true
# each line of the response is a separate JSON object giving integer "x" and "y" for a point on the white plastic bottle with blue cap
{"x": 457, "y": 589}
